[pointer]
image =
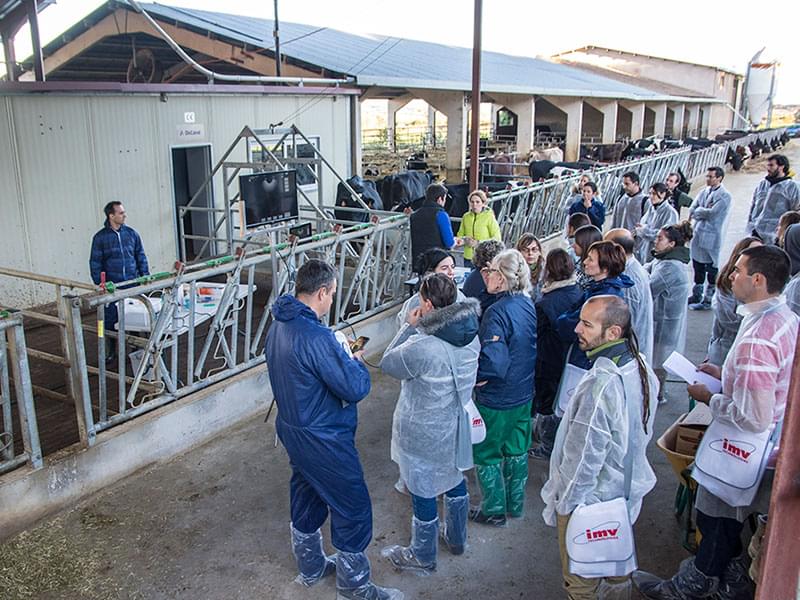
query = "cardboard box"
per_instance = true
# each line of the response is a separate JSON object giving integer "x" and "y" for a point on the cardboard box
{"x": 691, "y": 429}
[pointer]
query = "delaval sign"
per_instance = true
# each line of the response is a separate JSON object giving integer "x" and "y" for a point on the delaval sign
{"x": 191, "y": 132}
{"x": 737, "y": 449}
{"x": 603, "y": 532}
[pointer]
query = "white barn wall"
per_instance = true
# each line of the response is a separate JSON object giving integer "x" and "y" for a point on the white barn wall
{"x": 66, "y": 155}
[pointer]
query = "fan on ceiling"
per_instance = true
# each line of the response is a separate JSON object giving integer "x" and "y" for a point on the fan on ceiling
{"x": 144, "y": 68}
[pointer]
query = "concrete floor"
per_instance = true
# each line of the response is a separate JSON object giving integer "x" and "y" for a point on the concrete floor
{"x": 213, "y": 523}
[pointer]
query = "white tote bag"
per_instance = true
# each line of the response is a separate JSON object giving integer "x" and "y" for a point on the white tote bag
{"x": 730, "y": 462}
{"x": 570, "y": 378}
{"x": 477, "y": 426}
{"x": 599, "y": 536}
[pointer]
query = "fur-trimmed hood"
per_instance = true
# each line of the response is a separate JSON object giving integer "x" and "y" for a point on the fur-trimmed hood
{"x": 456, "y": 324}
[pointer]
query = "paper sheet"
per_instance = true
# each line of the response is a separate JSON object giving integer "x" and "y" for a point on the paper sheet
{"x": 679, "y": 365}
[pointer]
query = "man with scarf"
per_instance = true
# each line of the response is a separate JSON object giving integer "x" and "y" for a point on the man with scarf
{"x": 776, "y": 194}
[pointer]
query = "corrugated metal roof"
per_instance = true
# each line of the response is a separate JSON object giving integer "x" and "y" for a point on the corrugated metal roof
{"x": 395, "y": 62}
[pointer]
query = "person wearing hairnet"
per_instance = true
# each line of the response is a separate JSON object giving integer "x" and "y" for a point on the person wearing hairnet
{"x": 505, "y": 390}
{"x": 594, "y": 435}
{"x": 669, "y": 284}
{"x": 435, "y": 355}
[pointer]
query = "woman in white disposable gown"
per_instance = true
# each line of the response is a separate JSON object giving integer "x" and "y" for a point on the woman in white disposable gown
{"x": 435, "y": 355}
{"x": 433, "y": 260}
{"x": 791, "y": 243}
{"x": 669, "y": 284}
{"x": 726, "y": 320}
{"x": 659, "y": 214}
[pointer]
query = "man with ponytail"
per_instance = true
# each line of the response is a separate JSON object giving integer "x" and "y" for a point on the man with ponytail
{"x": 586, "y": 466}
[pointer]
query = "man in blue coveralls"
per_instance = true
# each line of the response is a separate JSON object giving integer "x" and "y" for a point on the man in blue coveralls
{"x": 317, "y": 384}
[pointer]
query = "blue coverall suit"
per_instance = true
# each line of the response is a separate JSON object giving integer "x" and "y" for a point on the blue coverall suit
{"x": 316, "y": 385}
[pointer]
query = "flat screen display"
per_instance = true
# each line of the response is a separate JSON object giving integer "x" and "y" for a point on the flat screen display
{"x": 269, "y": 197}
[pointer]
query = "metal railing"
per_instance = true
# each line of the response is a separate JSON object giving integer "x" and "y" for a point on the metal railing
{"x": 371, "y": 261}
{"x": 14, "y": 369}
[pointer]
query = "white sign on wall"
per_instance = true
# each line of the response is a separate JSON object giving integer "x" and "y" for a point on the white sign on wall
{"x": 188, "y": 133}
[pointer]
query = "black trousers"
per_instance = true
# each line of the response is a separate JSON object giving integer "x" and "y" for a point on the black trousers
{"x": 721, "y": 543}
{"x": 705, "y": 271}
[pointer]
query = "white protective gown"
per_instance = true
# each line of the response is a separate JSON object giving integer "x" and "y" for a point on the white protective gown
{"x": 640, "y": 301}
{"x": 586, "y": 466}
{"x": 653, "y": 221}
{"x": 431, "y": 401}
{"x": 669, "y": 284}
{"x": 724, "y": 328}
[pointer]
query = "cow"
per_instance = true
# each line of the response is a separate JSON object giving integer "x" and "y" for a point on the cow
{"x": 404, "y": 190}
{"x": 555, "y": 154}
{"x": 698, "y": 143}
{"x": 733, "y": 158}
{"x": 605, "y": 153}
{"x": 364, "y": 188}
{"x": 417, "y": 162}
{"x": 539, "y": 170}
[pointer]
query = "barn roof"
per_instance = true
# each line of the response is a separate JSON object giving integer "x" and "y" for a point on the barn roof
{"x": 391, "y": 62}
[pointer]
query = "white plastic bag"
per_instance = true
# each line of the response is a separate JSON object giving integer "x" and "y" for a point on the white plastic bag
{"x": 600, "y": 540}
{"x": 730, "y": 462}
{"x": 477, "y": 426}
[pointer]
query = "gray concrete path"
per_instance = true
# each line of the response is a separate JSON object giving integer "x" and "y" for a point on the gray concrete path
{"x": 214, "y": 522}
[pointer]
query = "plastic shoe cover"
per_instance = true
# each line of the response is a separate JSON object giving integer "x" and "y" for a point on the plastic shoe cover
{"x": 697, "y": 294}
{"x": 420, "y": 556}
{"x": 352, "y": 579}
{"x": 454, "y": 531}
{"x": 311, "y": 560}
{"x": 515, "y": 473}
{"x": 614, "y": 591}
{"x": 400, "y": 487}
{"x": 478, "y": 516}
{"x": 687, "y": 584}
{"x": 736, "y": 583}
{"x": 493, "y": 488}
{"x": 700, "y": 305}
{"x": 548, "y": 426}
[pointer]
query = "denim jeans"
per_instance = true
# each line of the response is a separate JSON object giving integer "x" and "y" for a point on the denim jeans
{"x": 425, "y": 508}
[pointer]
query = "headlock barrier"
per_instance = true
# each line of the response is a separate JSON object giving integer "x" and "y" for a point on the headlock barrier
{"x": 199, "y": 324}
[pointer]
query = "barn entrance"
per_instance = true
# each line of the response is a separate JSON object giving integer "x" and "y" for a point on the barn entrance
{"x": 191, "y": 166}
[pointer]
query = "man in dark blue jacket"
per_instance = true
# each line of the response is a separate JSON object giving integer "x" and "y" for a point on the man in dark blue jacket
{"x": 116, "y": 250}
{"x": 316, "y": 385}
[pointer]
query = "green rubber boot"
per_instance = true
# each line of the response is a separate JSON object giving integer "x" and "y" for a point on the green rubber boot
{"x": 515, "y": 474}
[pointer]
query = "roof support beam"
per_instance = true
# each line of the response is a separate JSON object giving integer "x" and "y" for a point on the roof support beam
{"x": 637, "y": 118}
{"x": 677, "y": 122}
{"x": 694, "y": 120}
{"x": 393, "y": 106}
{"x": 454, "y": 107}
{"x": 609, "y": 109}
{"x": 660, "y": 108}
{"x": 525, "y": 109}
{"x": 574, "y": 109}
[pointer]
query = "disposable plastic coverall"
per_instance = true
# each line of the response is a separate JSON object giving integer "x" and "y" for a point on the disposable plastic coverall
{"x": 586, "y": 466}
{"x": 653, "y": 221}
{"x": 709, "y": 212}
{"x": 628, "y": 211}
{"x": 724, "y": 328}
{"x": 669, "y": 284}
{"x": 755, "y": 384}
{"x": 316, "y": 385}
{"x": 791, "y": 243}
{"x": 640, "y": 302}
{"x": 770, "y": 201}
{"x": 792, "y": 293}
{"x": 432, "y": 396}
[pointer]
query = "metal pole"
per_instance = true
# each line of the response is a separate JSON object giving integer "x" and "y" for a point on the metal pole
{"x": 33, "y": 19}
{"x": 276, "y": 35}
{"x": 771, "y": 95}
{"x": 476, "y": 98}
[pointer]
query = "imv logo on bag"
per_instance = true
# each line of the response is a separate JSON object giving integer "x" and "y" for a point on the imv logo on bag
{"x": 477, "y": 421}
{"x": 605, "y": 531}
{"x": 735, "y": 448}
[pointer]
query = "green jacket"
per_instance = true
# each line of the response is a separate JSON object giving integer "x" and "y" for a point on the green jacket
{"x": 481, "y": 227}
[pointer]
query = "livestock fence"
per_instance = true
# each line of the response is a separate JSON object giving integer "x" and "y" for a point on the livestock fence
{"x": 186, "y": 329}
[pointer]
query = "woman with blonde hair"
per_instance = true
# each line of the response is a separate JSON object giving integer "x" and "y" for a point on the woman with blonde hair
{"x": 477, "y": 225}
{"x": 505, "y": 390}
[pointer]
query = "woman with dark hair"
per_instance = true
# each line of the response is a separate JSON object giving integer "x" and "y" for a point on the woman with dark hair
{"x": 559, "y": 294}
{"x": 435, "y": 356}
{"x": 604, "y": 263}
{"x": 669, "y": 284}
{"x": 788, "y": 218}
{"x": 588, "y": 203}
{"x": 584, "y": 237}
{"x": 659, "y": 214}
{"x": 723, "y": 305}
{"x": 531, "y": 250}
{"x": 433, "y": 260}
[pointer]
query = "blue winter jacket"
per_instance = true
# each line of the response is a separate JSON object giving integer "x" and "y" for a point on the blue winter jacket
{"x": 567, "y": 322}
{"x": 314, "y": 381}
{"x": 596, "y": 212}
{"x": 508, "y": 352}
{"x": 119, "y": 253}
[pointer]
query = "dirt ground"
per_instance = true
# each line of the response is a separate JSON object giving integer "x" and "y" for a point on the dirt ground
{"x": 214, "y": 522}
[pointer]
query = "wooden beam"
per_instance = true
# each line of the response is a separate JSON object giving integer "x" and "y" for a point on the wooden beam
{"x": 123, "y": 21}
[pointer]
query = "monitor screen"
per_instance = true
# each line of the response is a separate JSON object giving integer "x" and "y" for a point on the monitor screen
{"x": 269, "y": 197}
